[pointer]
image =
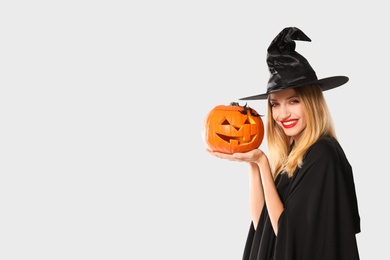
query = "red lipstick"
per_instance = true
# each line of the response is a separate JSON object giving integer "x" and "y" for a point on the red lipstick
{"x": 289, "y": 123}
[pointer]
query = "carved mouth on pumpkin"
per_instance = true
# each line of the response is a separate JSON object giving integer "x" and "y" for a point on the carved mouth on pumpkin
{"x": 240, "y": 140}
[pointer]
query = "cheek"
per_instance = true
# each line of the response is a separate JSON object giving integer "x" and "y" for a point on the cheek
{"x": 303, "y": 121}
{"x": 274, "y": 114}
{"x": 301, "y": 115}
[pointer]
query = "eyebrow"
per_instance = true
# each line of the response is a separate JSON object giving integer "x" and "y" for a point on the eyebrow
{"x": 294, "y": 96}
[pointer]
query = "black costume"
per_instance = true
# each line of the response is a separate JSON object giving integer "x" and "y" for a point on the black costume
{"x": 320, "y": 217}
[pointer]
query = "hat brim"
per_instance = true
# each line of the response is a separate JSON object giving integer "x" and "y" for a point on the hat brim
{"x": 325, "y": 84}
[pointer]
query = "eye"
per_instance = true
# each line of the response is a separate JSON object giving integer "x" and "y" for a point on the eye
{"x": 273, "y": 104}
{"x": 294, "y": 101}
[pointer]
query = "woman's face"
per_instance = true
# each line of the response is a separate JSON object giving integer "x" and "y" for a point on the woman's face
{"x": 287, "y": 111}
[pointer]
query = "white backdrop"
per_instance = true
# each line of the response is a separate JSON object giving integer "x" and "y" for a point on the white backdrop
{"x": 101, "y": 109}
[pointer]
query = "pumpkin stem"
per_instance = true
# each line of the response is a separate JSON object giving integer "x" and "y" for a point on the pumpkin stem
{"x": 234, "y": 104}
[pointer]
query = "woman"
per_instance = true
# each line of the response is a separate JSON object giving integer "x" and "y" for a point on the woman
{"x": 302, "y": 197}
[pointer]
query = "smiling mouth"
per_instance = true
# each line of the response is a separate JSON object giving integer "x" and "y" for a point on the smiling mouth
{"x": 290, "y": 123}
{"x": 239, "y": 140}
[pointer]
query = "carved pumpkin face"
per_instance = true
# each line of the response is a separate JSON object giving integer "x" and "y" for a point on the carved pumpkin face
{"x": 233, "y": 128}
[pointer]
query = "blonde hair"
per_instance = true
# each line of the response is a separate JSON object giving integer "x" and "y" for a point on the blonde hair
{"x": 318, "y": 124}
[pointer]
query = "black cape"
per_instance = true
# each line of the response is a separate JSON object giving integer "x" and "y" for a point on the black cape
{"x": 320, "y": 218}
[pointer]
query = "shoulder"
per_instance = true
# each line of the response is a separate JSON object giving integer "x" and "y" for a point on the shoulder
{"x": 323, "y": 160}
{"x": 325, "y": 149}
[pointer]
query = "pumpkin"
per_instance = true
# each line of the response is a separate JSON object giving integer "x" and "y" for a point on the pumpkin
{"x": 233, "y": 128}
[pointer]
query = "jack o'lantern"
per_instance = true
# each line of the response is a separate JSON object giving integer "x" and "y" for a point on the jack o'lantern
{"x": 233, "y": 128}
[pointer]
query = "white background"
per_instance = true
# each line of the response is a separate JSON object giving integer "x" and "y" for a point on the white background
{"x": 101, "y": 109}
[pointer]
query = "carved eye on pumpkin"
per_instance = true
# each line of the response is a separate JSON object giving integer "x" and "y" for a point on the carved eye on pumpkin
{"x": 233, "y": 128}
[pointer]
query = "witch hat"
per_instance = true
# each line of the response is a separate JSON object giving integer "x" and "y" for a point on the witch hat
{"x": 289, "y": 69}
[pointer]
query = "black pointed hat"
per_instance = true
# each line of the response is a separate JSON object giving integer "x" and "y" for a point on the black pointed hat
{"x": 289, "y": 69}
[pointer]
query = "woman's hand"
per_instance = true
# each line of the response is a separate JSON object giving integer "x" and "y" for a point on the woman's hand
{"x": 251, "y": 156}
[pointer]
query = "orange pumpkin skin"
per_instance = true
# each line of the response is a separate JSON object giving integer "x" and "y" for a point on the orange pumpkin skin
{"x": 233, "y": 129}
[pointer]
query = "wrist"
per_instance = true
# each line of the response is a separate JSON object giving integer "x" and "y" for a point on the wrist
{"x": 262, "y": 159}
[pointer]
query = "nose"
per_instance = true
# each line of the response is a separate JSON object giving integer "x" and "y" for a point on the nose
{"x": 284, "y": 112}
